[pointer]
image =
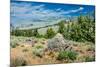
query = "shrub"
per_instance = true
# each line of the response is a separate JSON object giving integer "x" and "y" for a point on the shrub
{"x": 18, "y": 61}
{"x": 13, "y": 45}
{"x": 18, "y": 32}
{"x": 22, "y": 45}
{"x": 39, "y": 46}
{"x": 36, "y": 33}
{"x": 62, "y": 55}
{"x": 90, "y": 48}
{"x": 38, "y": 50}
{"x": 89, "y": 59}
{"x": 25, "y": 50}
{"x": 61, "y": 26}
{"x": 82, "y": 30}
{"x": 70, "y": 55}
{"x": 50, "y": 33}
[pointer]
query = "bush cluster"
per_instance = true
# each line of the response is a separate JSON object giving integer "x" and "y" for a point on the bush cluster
{"x": 18, "y": 61}
{"x": 50, "y": 33}
{"x": 67, "y": 55}
{"x": 14, "y": 44}
{"x": 82, "y": 30}
{"x": 25, "y": 50}
{"x": 89, "y": 59}
{"x": 61, "y": 26}
{"x": 38, "y": 50}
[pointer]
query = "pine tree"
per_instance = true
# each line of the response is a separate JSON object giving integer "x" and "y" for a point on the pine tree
{"x": 50, "y": 33}
{"x": 61, "y": 27}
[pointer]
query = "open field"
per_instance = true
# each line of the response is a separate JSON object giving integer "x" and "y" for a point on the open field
{"x": 29, "y": 52}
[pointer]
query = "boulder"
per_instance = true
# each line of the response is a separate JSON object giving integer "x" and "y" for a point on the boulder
{"x": 58, "y": 43}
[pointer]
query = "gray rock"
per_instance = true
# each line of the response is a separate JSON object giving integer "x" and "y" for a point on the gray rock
{"x": 58, "y": 43}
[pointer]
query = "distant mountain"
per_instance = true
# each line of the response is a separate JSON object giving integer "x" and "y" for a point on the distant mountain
{"x": 42, "y": 23}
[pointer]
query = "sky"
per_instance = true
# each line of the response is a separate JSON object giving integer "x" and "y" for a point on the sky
{"x": 41, "y": 14}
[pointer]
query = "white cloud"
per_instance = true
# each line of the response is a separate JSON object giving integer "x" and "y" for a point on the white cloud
{"x": 26, "y": 12}
{"x": 59, "y": 9}
{"x": 72, "y": 11}
{"x": 81, "y": 8}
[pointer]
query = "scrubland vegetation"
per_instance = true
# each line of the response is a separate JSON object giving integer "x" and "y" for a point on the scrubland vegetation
{"x": 72, "y": 42}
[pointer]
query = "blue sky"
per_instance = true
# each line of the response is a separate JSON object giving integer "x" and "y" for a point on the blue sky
{"x": 39, "y": 13}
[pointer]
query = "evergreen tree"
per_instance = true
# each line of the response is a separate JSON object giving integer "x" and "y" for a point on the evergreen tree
{"x": 61, "y": 27}
{"x": 36, "y": 32}
{"x": 83, "y": 30}
{"x": 50, "y": 33}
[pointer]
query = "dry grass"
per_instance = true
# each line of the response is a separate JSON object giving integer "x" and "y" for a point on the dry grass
{"x": 86, "y": 52}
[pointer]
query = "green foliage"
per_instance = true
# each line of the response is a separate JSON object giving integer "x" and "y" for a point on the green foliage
{"x": 90, "y": 48}
{"x": 22, "y": 45}
{"x": 70, "y": 55}
{"x": 38, "y": 50}
{"x": 18, "y": 61}
{"x": 62, "y": 55}
{"x": 27, "y": 33}
{"x": 25, "y": 50}
{"x": 72, "y": 32}
{"x": 13, "y": 45}
{"x": 50, "y": 33}
{"x": 36, "y": 33}
{"x": 83, "y": 30}
{"x": 89, "y": 59}
{"x": 39, "y": 46}
{"x": 61, "y": 26}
